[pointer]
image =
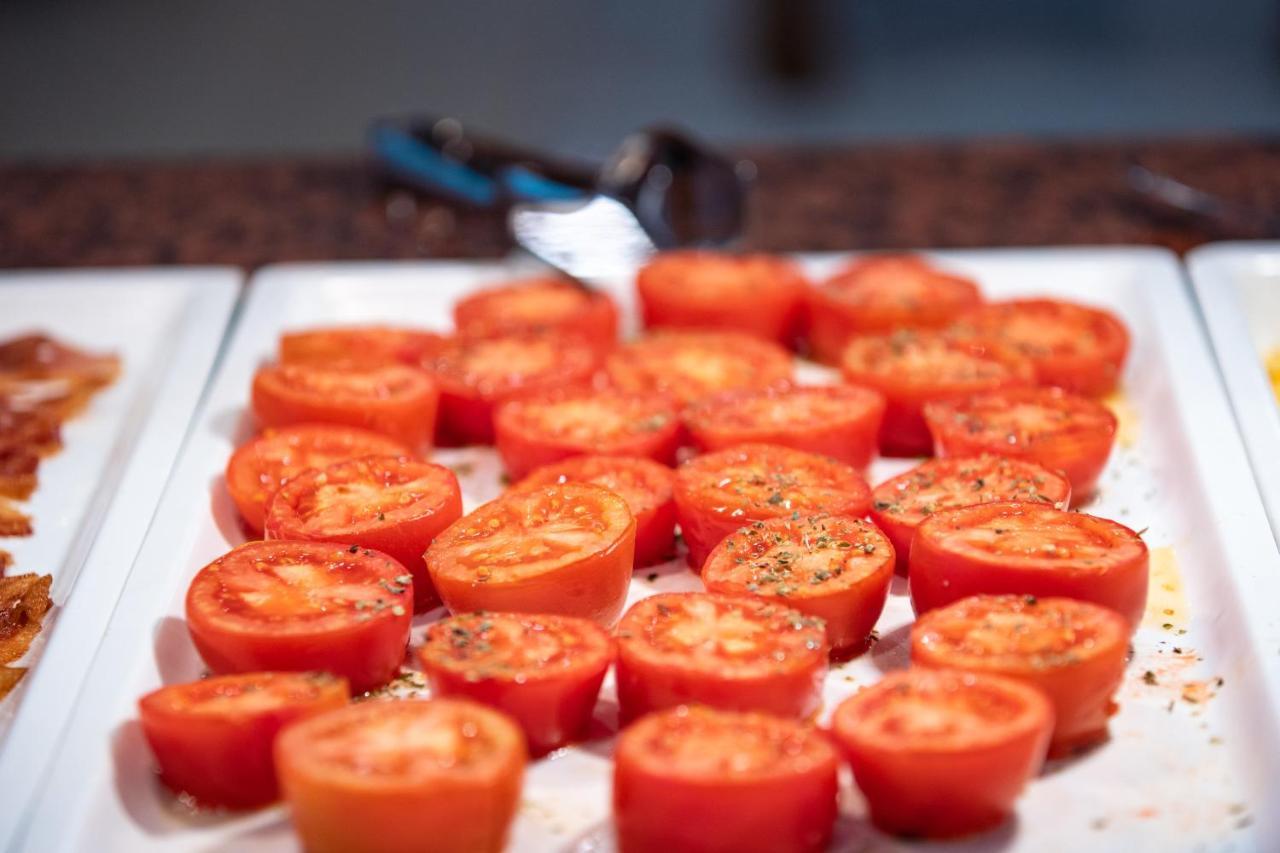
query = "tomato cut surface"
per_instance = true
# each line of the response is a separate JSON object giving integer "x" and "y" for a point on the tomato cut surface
{"x": 546, "y": 428}
{"x": 361, "y": 347}
{"x": 408, "y": 776}
{"x": 898, "y": 505}
{"x": 941, "y": 753}
{"x": 1028, "y": 549}
{"x": 837, "y": 569}
{"x": 213, "y": 738}
{"x": 301, "y": 607}
{"x": 260, "y": 466}
{"x": 478, "y": 374}
{"x": 698, "y": 779}
{"x": 759, "y": 295}
{"x": 539, "y": 305}
{"x": 646, "y": 486}
{"x": 1071, "y": 650}
{"x": 689, "y": 365}
{"x": 1075, "y": 347}
{"x": 566, "y": 549}
{"x": 1061, "y": 431}
{"x": 882, "y": 294}
{"x": 385, "y": 503}
{"x": 913, "y": 368}
{"x": 396, "y": 401}
{"x": 840, "y": 421}
{"x": 737, "y": 653}
{"x": 718, "y": 493}
{"x": 544, "y": 671}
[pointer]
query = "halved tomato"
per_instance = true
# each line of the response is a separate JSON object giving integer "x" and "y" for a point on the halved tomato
{"x": 914, "y": 368}
{"x": 546, "y": 428}
{"x": 1072, "y": 650}
{"x": 302, "y": 607}
{"x": 732, "y": 652}
{"x": 690, "y": 365}
{"x": 707, "y": 780}
{"x": 835, "y": 568}
{"x": 396, "y": 401}
{"x": 720, "y": 492}
{"x": 544, "y": 671}
{"x": 539, "y": 305}
{"x": 940, "y": 753}
{"x": 899, "y": 504}
{"x": 880, "y": 294}
{"x": 476, "y": 375}
{"x": 565, "y": 549}
{"x": 261, "y": 465}
{"x": 758, "y": 295}
{"x": 645, "y": 485}
{"x": 360, "y": 347}
{"x": 840, "y": 421}
{"x": 1028, "y": 549}
{"x": 1072, "y": 346}
{"x": 412, "y": 776}
{"x": 1061, "y": 431}
{"x": 385, "y": 503}
{"x": 212, "y": 738}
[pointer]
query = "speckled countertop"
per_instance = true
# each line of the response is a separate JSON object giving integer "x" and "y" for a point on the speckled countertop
{"x": 255, "y": 211}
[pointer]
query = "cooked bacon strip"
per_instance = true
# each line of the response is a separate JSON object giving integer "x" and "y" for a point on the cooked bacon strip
{"x": 13, "y": 521}
{"x": 9, "y": 678}
{"x": 37, "y": 356}
{"x": 17, "y": 472}
{"x": 6, "y": 560}
{"x": 24, "y": 600}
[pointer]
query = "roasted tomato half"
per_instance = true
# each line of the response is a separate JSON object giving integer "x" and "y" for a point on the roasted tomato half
{"x": 302, "y": 607}
{"x": 646, "y": 486}
{"x": 1074, "y": 651}
{"x": 707, "y": 780}
{"x": 720, "y": 492}
{"x": 898, "y": 505}
{"x": 880, "y": 294}
{"x": 385, "y": 503}
{"x": 566, "y": 549}
{"x": 1063, "y": 432}
{"x": 759, "y": 295}
{"x": 690, "y": 365}
{"x": 840, "y": 421}
{"x": 361, "y": 347}
{"x": 396, "y": 401}
{"x": 212, "y": 738}
{"x": 544, "y": 671}
{"x": 1028, "y": 549}
{"x": 546, "y": 428}
{"x": 732, "y": 652}
{"x": 539, "y": 305}
{"x": 943, "y": 753}
{"x": 427, "y": 776}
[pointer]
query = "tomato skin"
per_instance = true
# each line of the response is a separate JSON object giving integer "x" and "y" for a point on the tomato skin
{"x": 967, "y": 480}
{"x": 366, "y": 652}
{"x": 527, "y": 437}
{"x": 943, "y": 571}
{"x": 1079, "y": 679}
{"x": 357, "y": 347}
{"x": 646, "y": 486}
{"x": 1078, "y": 443}
{"x": 396, "y": 401}
{"x": 539, "y": 305}
{"x": 403, "y": 534}
{"x": 552, "y": 702}
{"x": 758, "y": 295}
{"x": 850, "y": 610}
{"x": 922, "y": 787}
{"x": 840, "y": 421}
{"x": 591, "y": 582}
{"x": 653, "y": 674}
{"x": 720, "y": 492}
{"x": 224, "y": 759}
{"x": 661, "y": 805}
{"x": 422, "y": 809}
{"x": 689, "y": 364}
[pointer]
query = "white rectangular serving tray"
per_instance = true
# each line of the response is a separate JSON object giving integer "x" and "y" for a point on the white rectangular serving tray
{"x": 1194, "y": 763}
{"x": 97, "y": 495}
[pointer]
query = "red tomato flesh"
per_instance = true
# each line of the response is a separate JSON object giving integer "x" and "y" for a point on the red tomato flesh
{"x": 690, "y": 365}
{"x": 539, "y": 306}
{"x": 360, "y": 347}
